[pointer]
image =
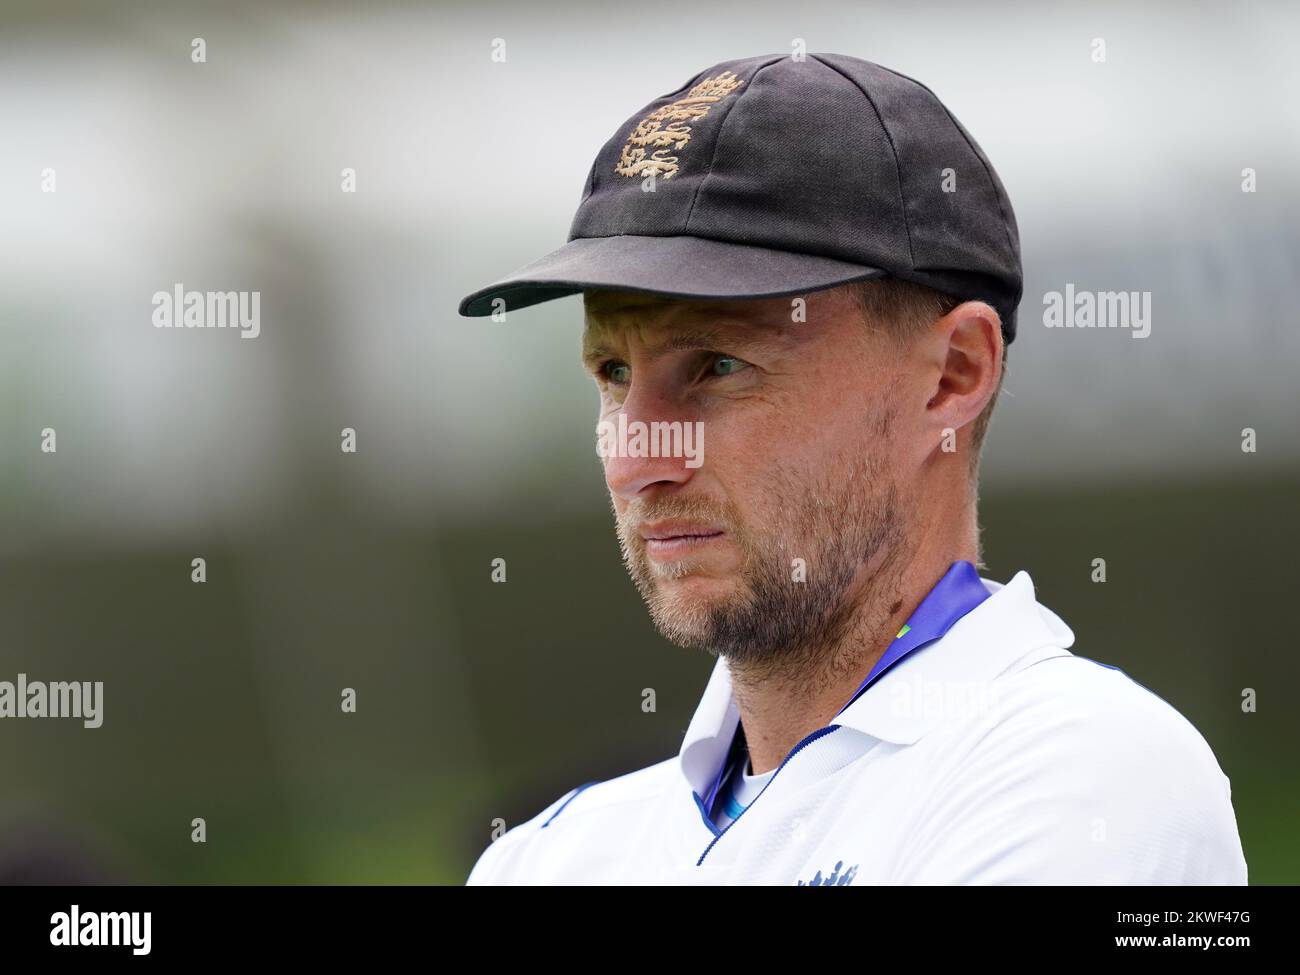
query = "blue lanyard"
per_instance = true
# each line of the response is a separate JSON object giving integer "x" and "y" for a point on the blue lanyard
{"x": 956, "y": 594}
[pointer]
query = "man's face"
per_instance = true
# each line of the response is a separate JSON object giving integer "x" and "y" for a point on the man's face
{"x": 759, "y": 551}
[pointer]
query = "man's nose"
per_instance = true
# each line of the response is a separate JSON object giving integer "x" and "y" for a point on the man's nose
{"x": 632, "y": 468}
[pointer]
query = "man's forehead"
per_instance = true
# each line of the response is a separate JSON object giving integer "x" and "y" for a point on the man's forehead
{"x": 608, "y": 311}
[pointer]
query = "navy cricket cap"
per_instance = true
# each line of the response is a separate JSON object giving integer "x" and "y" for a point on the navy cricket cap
{"x": 775, "y": 177}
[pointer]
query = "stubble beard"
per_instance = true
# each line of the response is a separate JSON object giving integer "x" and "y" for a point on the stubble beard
{"x": 770, "y": 622}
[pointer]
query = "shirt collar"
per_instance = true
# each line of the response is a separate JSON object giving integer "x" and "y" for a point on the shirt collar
{"x": 978, "y": 646}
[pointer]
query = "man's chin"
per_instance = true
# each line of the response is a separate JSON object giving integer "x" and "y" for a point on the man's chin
{"x": 686, "y": 609}
{"x": 689, "y": 586}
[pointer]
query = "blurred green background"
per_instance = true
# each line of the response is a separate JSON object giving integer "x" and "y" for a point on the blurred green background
{"x": 478, "y": 700}
{"x": 329, "y": 570}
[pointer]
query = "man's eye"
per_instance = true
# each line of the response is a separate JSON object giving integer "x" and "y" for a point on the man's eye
{"x": 616, "y": 372}
{"x": 726, "y": 365}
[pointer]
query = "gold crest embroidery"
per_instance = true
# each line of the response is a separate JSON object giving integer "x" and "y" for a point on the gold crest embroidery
{"x": 667, "y": 126}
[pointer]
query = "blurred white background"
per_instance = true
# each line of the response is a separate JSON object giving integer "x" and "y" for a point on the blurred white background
{"x": 1125, "y": 175}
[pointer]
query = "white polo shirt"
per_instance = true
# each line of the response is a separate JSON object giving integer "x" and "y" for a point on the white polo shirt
{"x": 992, "y": 755}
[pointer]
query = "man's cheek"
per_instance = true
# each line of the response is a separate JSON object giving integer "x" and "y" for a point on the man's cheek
{"x": 745, "y": 446}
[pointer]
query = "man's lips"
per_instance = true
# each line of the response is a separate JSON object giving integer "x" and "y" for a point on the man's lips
{"x": 672, "y": 539}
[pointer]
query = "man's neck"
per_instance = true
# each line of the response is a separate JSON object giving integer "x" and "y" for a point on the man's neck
{"x": 779, "y": 709}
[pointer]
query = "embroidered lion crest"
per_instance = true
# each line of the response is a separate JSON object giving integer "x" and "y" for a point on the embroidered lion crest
{"x": 667, "y": 129}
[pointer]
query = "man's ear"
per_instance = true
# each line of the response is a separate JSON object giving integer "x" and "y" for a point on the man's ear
{"x": 965, "y": 351}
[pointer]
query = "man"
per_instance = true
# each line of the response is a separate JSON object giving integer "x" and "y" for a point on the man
{"x": 812, "y": 264}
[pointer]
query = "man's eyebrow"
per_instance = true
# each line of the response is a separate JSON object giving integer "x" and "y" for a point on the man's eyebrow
{"x": 692, "y": 339}
{"x": 594, "y": 353}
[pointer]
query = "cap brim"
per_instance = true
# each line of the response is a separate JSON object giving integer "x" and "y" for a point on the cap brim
{"x": 685, "y": 267}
